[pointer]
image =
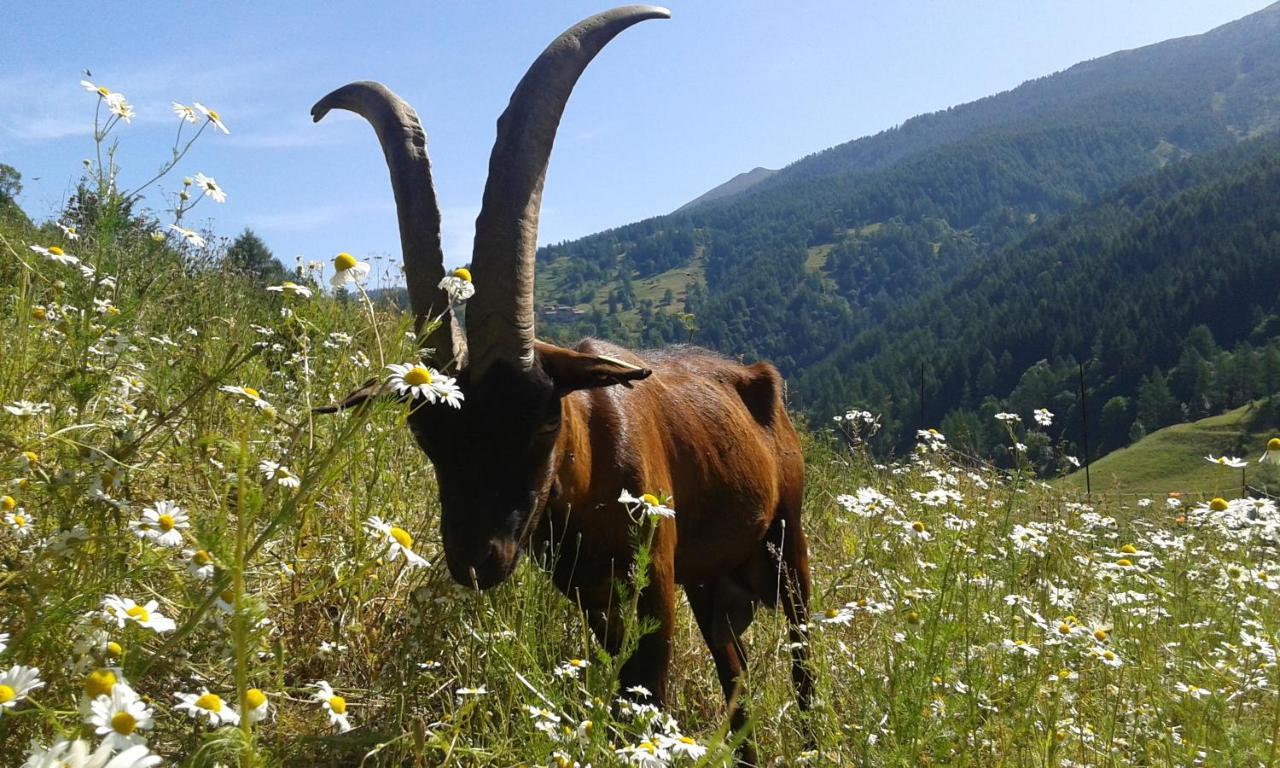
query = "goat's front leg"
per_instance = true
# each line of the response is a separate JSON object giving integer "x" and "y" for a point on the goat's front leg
{"x": 650, "y": 664}
{"x": 647, "y": 666}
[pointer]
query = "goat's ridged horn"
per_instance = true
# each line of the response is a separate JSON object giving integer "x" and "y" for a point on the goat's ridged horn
{"x": 404, "y": 144}
{"x": 500, "y": 317}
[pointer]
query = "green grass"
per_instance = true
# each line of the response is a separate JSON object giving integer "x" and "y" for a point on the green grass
{"x": 961, "y": 615}
{"x": 1171, "y": 460}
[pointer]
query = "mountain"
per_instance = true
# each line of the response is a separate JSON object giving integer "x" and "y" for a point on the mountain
{"x": 806, "y": 266}
{"x": 738, "y": 184}
{"x": 1167, "y": 288}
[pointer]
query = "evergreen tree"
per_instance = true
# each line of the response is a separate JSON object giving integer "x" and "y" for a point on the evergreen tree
{"x": 249, "y": 254}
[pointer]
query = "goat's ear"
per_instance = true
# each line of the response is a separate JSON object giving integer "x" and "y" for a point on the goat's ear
{"x": 367, "y": 391}
{"x": 572, "y": 370}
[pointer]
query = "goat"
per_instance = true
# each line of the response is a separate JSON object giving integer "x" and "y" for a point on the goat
{"x": 549, "y": 437}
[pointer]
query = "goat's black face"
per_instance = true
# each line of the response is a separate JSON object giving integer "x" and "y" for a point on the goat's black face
{"x": 494, "y": 465}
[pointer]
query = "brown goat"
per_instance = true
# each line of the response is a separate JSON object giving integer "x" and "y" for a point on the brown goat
{"x": 546, "y": 441}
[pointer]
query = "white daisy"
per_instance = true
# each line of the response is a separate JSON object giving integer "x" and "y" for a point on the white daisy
{"x": 55, "y": 254}
{"x": 19, "y": 521}
{"x": 396, "y": 540}
{"x": 458, "y": 285}
{"x": 162, "y": 523}
{"x": 1044, "y": 417}
{"x": 211, "y": 188}
{"x": 119, "y": 717}
{"x": 68, "y": 231}
{"x": 199, "y": 563}
{"x": 571, "y": 668}
{"x": 428, "y": 383}
{"x": 646, "y": 754}
{"x": 120, "y": 107}
{"x": 192, "y": 237}
{"x": 122, "y": 610}
{"x": 207, "y": 705}
{"x": 648, "y": 504}
{"x": 280, "y": 473}
{"x": 682, "y": 745}
{"x": 213, "y": 116}
{"x": 91, "y": 88}
{"x": 1272, "y": 454}
{"x": 334, "y": 704}
{"x": 16, "y": 683}
{"x": 259, "y": 707}
{"x": 185, "y": 113}
{"x": 75, "y": 754}
{"x": 294, "y": 288}
{"x": 250, "y": 394}
{"x": 1008, "y": 418}
{"x": 1227, "y": 461}
{"x": 348, "y": 271}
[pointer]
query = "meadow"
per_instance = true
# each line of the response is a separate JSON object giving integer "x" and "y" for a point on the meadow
{"x": 197, "y": 569}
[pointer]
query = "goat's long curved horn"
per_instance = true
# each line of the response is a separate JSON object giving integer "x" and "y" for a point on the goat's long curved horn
{"x": 500, "y": 316}
{"x": 404, "y": 144}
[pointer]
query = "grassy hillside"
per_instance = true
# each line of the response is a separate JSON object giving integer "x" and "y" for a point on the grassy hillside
{"x": 960, "y": 615}
{"x": 1173, "y": 460}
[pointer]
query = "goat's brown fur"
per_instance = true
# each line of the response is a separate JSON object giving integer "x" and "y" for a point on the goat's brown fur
{"x": 716, "y": 436}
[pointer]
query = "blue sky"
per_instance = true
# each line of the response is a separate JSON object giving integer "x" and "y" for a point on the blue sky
{"x": 668, "y": 110}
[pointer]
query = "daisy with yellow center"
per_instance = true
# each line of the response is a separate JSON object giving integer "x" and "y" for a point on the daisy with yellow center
{"x": 99, "y": 682}
{"x": 418, "y": 381}
{"x": 162, "y": 523}
{"x": 20, "y": 522}
{"x": 123, "y": 610}
{"x": 1272, "y": 454}
{"x": 16, "y": 683}
{"x": 572, "y": 668}
{"x": 210, "y": 706}
{"x": 57, "y": 255}
{"x": 348, "y": 271}
{"x": 210, "y": 188}
{"x": 395, "y": 540}
{"x": 190, "y": 236}
{"x": 96, "y": 89}
{"x": 1227, "y": 461}
{"x": 199, "y": 563}
{"x": 213, "y": 117}
{"x": 333, "y": 704}
{"x": 257, "y": 706}
{"x": 250, "y": 394}
{"x": 120, "y": 717}
{"x": 648, "y": 504}
{"x": 682, "y": 745}
{"x": 458, "y": 285}
{"x": 290, "y": 287}
{"x": 185, "y": 114}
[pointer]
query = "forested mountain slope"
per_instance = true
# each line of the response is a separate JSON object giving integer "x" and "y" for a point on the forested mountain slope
{"x": 1157, "y": 278}
{"x": 806, "y": 267}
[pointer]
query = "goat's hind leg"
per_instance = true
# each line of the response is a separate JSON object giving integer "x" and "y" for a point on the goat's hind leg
{"x": 723, "y": 610}
{"x": 785, "y": 580}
